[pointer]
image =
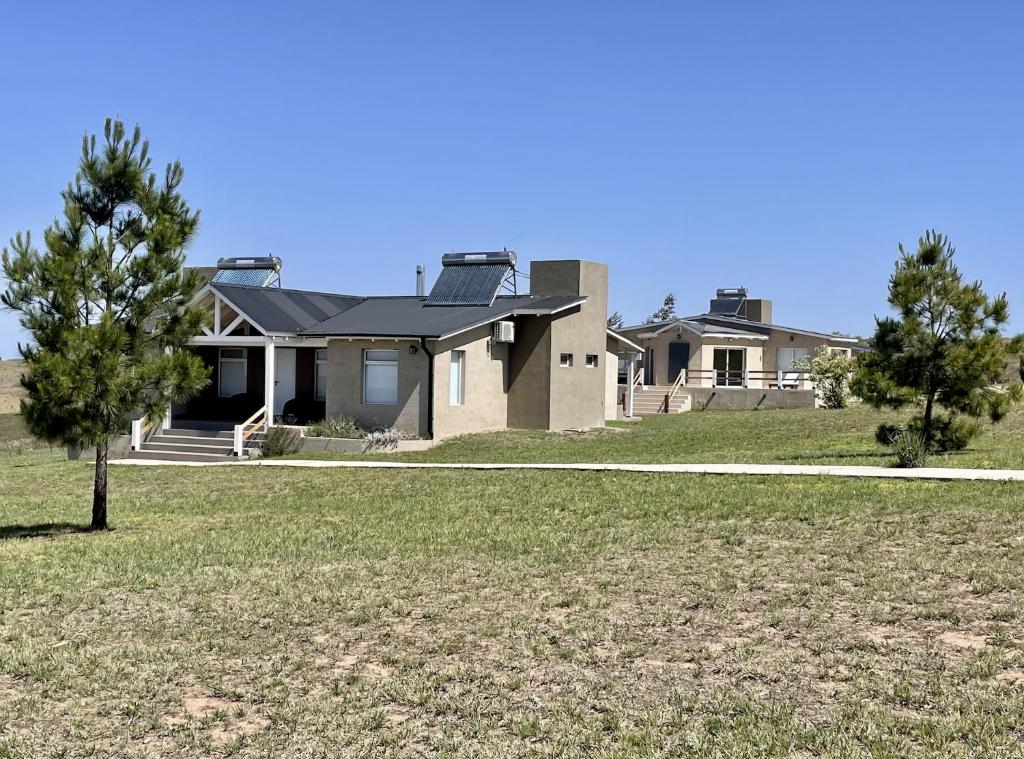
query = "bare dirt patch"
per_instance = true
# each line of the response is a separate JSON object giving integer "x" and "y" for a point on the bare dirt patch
{"x": 11, "y": 391}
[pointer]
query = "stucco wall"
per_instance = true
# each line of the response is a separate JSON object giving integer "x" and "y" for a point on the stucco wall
{"x": 611, "y": 384}
{"x": 529, "y": 381}
{"x": 577, "y": 392}
{"x": 345, "y": 385}
{"x": 485, "y": 402}
{"x": 748, "y": 398}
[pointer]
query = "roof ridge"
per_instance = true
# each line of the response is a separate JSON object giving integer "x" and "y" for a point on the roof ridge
{"x": 286, "y": 290}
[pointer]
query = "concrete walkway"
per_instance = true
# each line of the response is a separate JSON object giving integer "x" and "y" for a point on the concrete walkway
{"x": 812, "y": 470}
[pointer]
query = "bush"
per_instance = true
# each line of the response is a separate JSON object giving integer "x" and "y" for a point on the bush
{"x": 910, "y": 449}
{"x": 948, "y": 433}
{"x": 383, "y": 439}
{"x": 830, "y": 372}
{"x": 281, "y": 441}
{"x": 345, "y": 427}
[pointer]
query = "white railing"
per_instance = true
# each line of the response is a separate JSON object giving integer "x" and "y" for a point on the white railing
{"x": 248, "y": 428}
{"x": 140, "y": 428}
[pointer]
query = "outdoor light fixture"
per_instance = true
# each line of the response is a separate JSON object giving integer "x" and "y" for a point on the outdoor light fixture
{"x": 413, "y": 350}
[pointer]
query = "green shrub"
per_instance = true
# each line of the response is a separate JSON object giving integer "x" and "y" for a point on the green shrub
{"x": 910, "y": 449}
{"x": 949, "y": 433}
{"x": 383, "y": 439}
{"x": 830, "y": 372}
{"x": 281, "y": 441}
{"x": 345, "y": 427}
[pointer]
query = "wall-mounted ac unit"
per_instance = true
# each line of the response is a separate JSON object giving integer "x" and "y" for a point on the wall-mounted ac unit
{"x": 504, "y": 332}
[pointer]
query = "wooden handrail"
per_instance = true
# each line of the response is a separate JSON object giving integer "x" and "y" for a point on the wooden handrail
{"x": 675, "y": 389}
{"x": 254, "y": 422}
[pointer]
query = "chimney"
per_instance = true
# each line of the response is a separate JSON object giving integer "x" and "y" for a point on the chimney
{"x": 421, "y": 275}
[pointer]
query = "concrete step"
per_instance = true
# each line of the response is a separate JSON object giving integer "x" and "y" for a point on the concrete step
{"x": 224, "y": 449}
{"x": 177, "y": 456}
{"x": 188, "y": 432}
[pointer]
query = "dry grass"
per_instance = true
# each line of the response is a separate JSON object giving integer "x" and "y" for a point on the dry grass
{"x": 10, "y": 386}
{"x": 244, "y": 612}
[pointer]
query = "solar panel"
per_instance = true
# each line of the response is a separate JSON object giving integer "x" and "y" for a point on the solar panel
{"x": 249, "y": 277}
{"x": 726, "y": 306}
{"x": 474, "y": 285}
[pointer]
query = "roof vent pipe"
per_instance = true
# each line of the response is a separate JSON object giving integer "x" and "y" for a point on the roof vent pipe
{"x": 421, "y": 275}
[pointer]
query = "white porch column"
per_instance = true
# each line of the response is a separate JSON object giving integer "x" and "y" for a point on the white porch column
{"x": 629, "y": 387}
{"x": 268, "y": 379}
{"x": 166, "y": 424}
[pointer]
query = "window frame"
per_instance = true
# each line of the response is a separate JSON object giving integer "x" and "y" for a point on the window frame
{"x": 591, "y": 364}
{"x": 732, "y": 377}
{"x": 457, "y": 395}
{"x": 367, "y": 362}
{"x": 565, "y": 360}
{"x": 319, "y": 364}
{"x": 222, "y": 359}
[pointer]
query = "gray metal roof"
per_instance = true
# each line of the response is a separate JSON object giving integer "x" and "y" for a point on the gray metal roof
{"x": 696, "y": 327}
{"x": 320, "y": 314}
{"x": 278, "y": 310}
{"x": 764, "y": 327}
{"x": 410, "y": 316}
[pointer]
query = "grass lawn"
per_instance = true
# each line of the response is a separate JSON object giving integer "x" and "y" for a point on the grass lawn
{"x": 253, "y": 612}
{"x": 804, "y": 436}
{"x": 10, "y": 385}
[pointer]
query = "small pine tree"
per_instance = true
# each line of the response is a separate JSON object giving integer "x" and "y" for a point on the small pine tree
{"x": 942, "y": 349}
{"x": 106, "y": 304}
{"x": 666, "y": 312}
{"x": 615, "y": 321}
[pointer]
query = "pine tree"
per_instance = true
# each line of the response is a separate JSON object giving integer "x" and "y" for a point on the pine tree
{"x": 666, "y": 312}
{"x": 942, "y": 350}
{"x": 106, "y": 303}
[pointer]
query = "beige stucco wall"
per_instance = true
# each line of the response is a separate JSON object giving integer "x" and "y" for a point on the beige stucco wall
{"x": 577, "y": 392}
{"x": 345, "y": 385}
{"x": 529, "y": 382}
{"x": 611, "y": 385}
{"x": 485, "y": 402}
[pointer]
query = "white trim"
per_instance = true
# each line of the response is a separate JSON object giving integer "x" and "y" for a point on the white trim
{"x": 615, "y": 335}
{"x": 225, "y": 341}
{"x": 208, "y": 288}
{"x": 269, "y": 379}
{"x": 231, "y": 327}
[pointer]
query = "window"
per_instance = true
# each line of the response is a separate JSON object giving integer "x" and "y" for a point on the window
{"x": 456, "y": 378}
{"x": 729, "y": 365}
{"x": 380, "y": 377}
{"x": 231, "y": 372}
{"x": 320, "y": 372}
{"x": 591, "y": 360}
{"x": 565, "y": 359}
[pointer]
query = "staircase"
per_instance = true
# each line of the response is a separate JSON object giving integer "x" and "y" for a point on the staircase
{"x": 651, "y": 400}
{"x": 190, "y": 444}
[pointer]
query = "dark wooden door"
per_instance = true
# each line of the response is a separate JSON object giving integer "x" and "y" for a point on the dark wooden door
{"x": 678, "y": 358}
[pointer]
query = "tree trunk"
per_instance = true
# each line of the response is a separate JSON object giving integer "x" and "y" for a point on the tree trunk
{"x": 926, "y": 427}
{"x": 99, "y": 489}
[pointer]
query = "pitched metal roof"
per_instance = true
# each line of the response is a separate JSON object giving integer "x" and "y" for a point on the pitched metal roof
{"x": 275, "y": 309}
{"x": 763, "y": 327}
{"x": 302, "y": 312}
{"x": 698, "y": 328}
{"x": 410, "y": 316}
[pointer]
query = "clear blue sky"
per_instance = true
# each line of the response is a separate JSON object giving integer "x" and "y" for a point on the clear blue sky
{"x": 785, "y": 146}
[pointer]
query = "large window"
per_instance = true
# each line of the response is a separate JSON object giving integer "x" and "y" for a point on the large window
{"x": 729, "y": 365}
{"x": 231, "y": 372}
{"x": 320, "y": 382}
{"x": 380, "y": 377}
{"x": 457, "y": 378}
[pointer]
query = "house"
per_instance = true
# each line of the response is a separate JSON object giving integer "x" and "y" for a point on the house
{"x": 472, "y": 355}
{"x": 733, "y": 355}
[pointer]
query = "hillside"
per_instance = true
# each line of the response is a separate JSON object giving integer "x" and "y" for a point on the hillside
{"x": 10, "y": 388}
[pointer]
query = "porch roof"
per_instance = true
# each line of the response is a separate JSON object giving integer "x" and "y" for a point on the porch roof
{"x": 699, "y": 328}
{"x": 276, "y": 309}
{"x": 763, "y": 327}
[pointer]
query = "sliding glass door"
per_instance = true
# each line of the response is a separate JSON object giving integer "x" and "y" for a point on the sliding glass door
{"x": 729, "y": 366}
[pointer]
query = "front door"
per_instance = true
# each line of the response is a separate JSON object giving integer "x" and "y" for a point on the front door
{"x": 729, "y": 366}
{"x": 284, "y": 378}
{"x": 678, "y": 358}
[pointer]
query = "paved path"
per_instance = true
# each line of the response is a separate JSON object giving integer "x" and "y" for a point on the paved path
{"x": 814, "y": 470}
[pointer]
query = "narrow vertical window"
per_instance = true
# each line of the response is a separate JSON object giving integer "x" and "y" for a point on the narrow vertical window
{"x": 457, "y": 378}
{"x": 320, "y": 382}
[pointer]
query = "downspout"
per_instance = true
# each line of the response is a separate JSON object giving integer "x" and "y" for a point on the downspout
{"x": 430, "y": 388}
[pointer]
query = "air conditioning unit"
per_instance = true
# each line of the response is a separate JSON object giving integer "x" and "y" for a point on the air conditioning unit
{"x": 504, "y": 332}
